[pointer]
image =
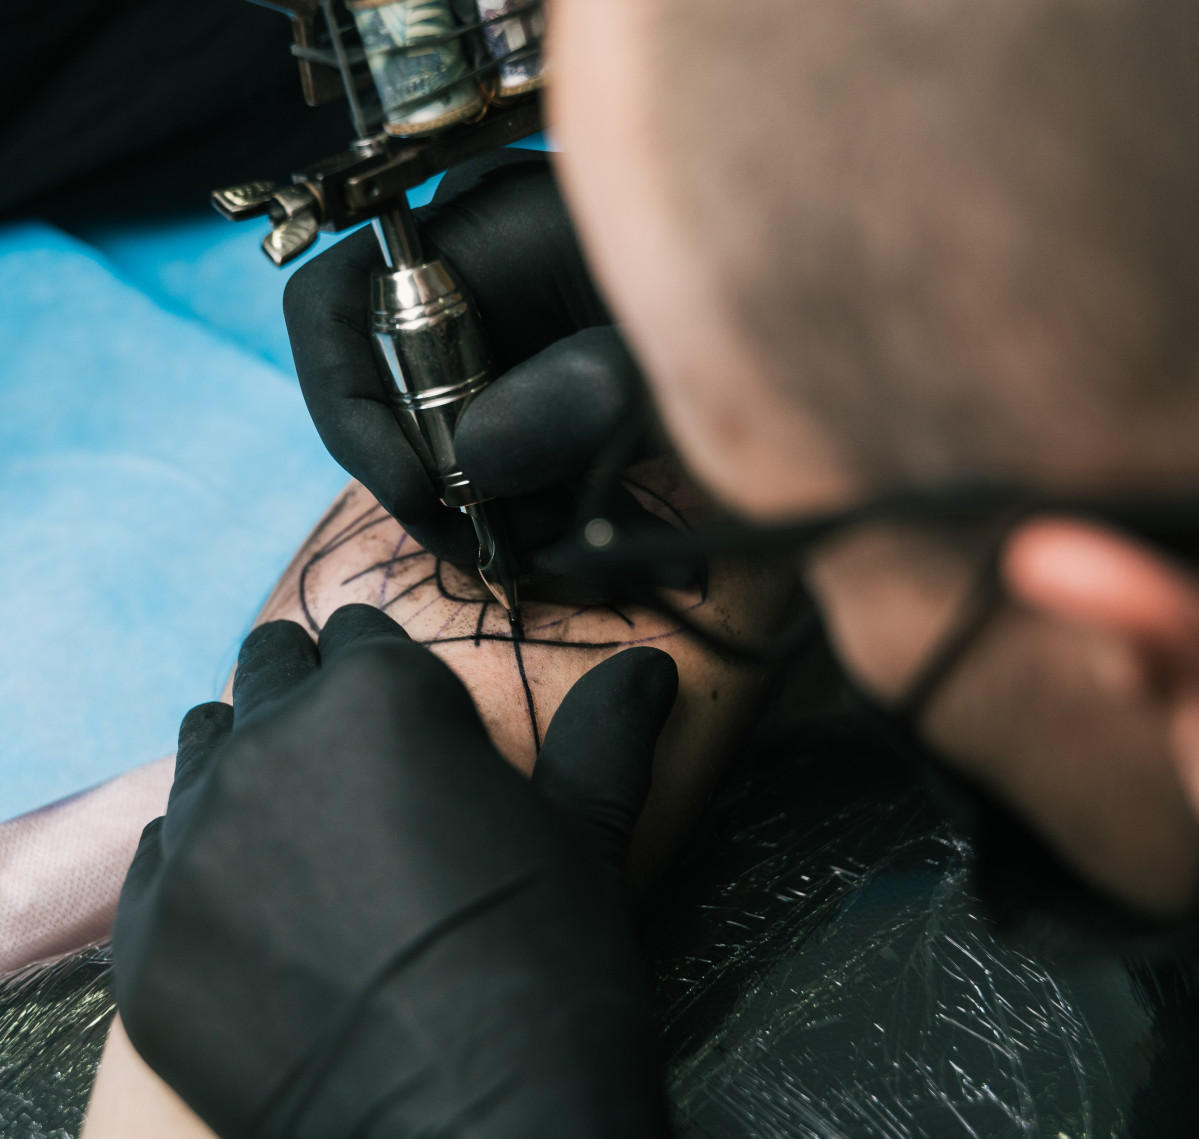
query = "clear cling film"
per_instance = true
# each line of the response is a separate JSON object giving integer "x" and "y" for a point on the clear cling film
{"x": 821, "y": 970}
{"x": 53, "y": 1023}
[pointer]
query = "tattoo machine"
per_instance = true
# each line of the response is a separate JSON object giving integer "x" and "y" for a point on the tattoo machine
{"x": 430, "y": 84}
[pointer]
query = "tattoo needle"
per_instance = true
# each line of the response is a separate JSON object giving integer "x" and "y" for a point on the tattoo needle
{"x": 496, "y": 565}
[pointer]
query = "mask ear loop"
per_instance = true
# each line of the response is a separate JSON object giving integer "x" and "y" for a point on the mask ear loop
{"x": 982, "y": 604}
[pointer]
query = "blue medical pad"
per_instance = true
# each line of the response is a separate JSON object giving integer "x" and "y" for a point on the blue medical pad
{"x": 155, "y": 478}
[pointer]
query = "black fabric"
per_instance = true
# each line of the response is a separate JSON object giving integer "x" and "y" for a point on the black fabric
{"x": 371, "y": 925}
{"x": 565, "y": 383}
{"x": 818, "y": 966}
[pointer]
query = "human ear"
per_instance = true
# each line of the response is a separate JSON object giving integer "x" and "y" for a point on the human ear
{"x": 1148, "y": 607}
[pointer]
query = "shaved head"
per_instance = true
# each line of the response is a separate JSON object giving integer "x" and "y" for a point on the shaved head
{"x": 963, "y": 235}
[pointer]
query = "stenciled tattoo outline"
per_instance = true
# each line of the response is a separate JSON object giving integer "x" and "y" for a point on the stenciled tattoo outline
{"x": 404, "y": 583}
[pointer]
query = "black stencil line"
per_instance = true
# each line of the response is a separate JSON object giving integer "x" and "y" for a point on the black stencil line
{"x": 404, "y": 592}
{"x": 445, "y": 590}
{"x": 330, "y": 517}
{"x": 364, "y": 522}
{"x": 623, "y": 616}
{"x": 350, "y": 531}
{"x": 506, "y": 638}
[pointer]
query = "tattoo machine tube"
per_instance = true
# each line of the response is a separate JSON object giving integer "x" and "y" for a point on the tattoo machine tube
{"x": 429, "y": 61}
{"x": 429, "y": 337}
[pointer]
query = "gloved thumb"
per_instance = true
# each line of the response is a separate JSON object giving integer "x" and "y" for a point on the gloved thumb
{"x": 597, "y": 760}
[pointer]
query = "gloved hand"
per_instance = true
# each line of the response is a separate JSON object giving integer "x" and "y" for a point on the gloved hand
{"x": 565, "y": 382}
{"x": 356, "y": 919}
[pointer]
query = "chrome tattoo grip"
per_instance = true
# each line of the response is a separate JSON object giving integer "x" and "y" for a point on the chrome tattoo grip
{"x": 430, "y": 340}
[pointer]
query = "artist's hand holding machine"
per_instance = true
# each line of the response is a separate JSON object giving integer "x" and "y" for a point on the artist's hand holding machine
{"x": 565, "y": 386}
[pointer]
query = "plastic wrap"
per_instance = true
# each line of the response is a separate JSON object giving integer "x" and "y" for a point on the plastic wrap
{"x": 52, "y": 1030}
{"x": 822, "y": 970}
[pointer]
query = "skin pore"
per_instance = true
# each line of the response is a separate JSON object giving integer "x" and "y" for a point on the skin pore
{"x": 1084, "y": 718}
{"x": 358, "y": 553}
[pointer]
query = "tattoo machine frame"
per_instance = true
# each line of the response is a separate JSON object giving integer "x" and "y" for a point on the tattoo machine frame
{"x": 430, "y": 84}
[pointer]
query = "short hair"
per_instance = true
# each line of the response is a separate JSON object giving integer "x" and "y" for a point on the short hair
{"x": 964, "y": 233}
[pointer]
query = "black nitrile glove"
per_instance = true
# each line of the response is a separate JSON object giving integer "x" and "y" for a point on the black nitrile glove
{"x": 565, "y": 382}
{"x": 356, "y": 919}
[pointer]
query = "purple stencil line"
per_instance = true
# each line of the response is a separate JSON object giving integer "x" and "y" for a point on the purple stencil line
{"x": 645, "y": 640}
{"x": 427, "y": 605}
{"x": 562, "y": 620}
{"x": 453, "y": 616}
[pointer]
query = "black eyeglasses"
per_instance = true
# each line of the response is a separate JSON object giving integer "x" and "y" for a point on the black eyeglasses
{"x": 627, "y": 562}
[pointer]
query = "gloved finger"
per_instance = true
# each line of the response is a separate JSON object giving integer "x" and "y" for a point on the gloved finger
{"x": 274, "y": 659}
{"x": 549, "y": 417}
{"x": 597, "y": 760}
{"x": 464, "y": 178}
{"x": 201, "y": 734}
{"x": 503, "y": 226}
{"x": 351, "y": 625}
{"x": 326, "y": 305}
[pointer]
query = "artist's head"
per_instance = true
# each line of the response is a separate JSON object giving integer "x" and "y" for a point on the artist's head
{"x": 894, "y": 242}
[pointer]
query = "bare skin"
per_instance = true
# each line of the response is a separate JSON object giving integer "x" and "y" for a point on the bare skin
{"x": 358, "y": 553}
